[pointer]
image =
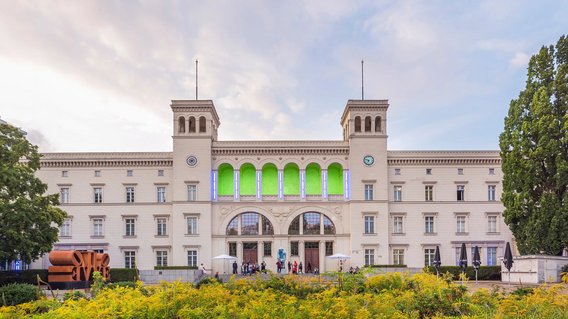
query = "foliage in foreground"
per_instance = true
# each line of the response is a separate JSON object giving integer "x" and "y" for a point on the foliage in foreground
{"x": 392, "y": 295}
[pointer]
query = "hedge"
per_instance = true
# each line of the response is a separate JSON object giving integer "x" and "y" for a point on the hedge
{"x": 123, "y": 274}
{"x": 22, "y": 276}
{"x": 387, "y": 266}
{"x": 483, "y": 273}
{"x": 174, "y": 267}
{"x": 15, "y": 294}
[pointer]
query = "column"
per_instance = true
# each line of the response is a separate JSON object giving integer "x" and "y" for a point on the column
{"x": 236, "y": 179}
{"x": 346, "y": 184}
{"x": 258, "y": 184}
{"x": 322, "y": 256}
{"x": 302, "y": 183}
{"x": 301, "y": 254}
{"x": 280, "y": 184}
{"x": 324, "y": 183}
{"x": 259, "y": 251}
{"x": 239, "y": 253}
{"x": 214, "y": 185}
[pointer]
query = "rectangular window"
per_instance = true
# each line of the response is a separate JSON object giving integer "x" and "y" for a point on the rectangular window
{"x": 191, "y": 193}
{"x": 192, "y": 226}
{"x": 162, "y": 258}
{"x": 460, "y": 224}
{"x": 267, "y": 249}
{"x": 64, "y": 173}
{"x": 294, "y": 248}
{"x": 429, "y": 256}
{"x": 491, "y": 193}
{"x": 398, "y": 256}
{"x": 130, "y": 194}
{"x": 492, "y": 224}
{"x": 130, "y": 227}
{"x": 460, "y": 171}
{"x": 328, "y": 248}
{"x": 429, "y": 224}
{"x": 98, "y": 191}
{"x": 428, "y": 193}
{"x": 369, "y": 224}
{"x": 129, "y": 173}
{"x": 192, "y": 258}
{"x": 460, "y": 193}
{"x": 129, "y": 259}
{"x": 428, "y": 171}
{"x": 369, "y": 257}
{"x": 160, "y": 172}
{"x": 491, "y": 256}
{"x": 64, "y": 195}
{"x": 233, "y": 249}
{"x": 98, "y": 227}
{"x": 368, "y": 192}
{"x": 397, "y": 171}
{"x": 161, "y": 194}
{"x": 161, "y": 224}
{"x": 65, "y": 228}
{"x": 397, "y": 225}
{"x": 397, "y": 193}
{"x": 97, "y": 173}
{"x": 491, "y": 171}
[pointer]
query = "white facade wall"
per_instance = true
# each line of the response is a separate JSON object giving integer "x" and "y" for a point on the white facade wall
{"x": 405, "y": 169}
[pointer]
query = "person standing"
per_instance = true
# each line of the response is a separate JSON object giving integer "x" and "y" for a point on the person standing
{"x": 235, "y": 267}
{"x": 300, "y": 268}
{"x": 309, "y": 268}
{"x": 289, "y": 266}
{"x": 203, "y": 270}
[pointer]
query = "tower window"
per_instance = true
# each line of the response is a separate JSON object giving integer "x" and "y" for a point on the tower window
{"x": 181, "y": 124}
{"x": 202, "y": 124}
{"x": 191, "y": 124}
{"x": 357, "y": 124}
{"x": 368, "y": 124}
{"x": 378, "y": 124}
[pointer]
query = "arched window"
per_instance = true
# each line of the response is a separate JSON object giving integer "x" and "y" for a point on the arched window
{"x": 251, "y": 224}
{"x": 378, "y": 124}
{"x": 357, "y": 124}
{"x": 181, "y": 124}
{"x": 291, "y": 179}
{"x": 335, "y": 179}
{"x": 368, "y": 124}
{"x": 269, "y": 180}
{"x": 313, "y": 179}
{"x": 202, "y": 124}
{"x": 191, "y": 124}
{"x": 313, "y": 223}
{"x": 247, "y": 179}
{"x": 226, "y": 180}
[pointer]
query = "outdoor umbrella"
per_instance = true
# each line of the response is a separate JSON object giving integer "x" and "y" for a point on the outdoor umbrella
{"x": 463, "y": 259}
{"x": 224, "y": 257}
{"x": 476, "y": 261}
{"x": 341, "y": 257}
{"x": 508, "y": 260}
{"x": 437, "y": 260}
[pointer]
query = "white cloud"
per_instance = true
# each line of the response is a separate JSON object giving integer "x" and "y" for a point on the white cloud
{"x": 519, "y": 60}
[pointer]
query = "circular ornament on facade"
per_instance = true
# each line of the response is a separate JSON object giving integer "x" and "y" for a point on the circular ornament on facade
{"x": 191, "y": 161}
{"x": 368, "y": 160}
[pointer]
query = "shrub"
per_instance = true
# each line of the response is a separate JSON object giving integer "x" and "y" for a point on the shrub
{"x": 22, "y": 276}
{"x": 123, "y": 274}
{"x": 130, "y": 284}
{"x": 386, "y": 266}
{"x": 15, "y": 294}
{"x": 74, "y": 295}
{"x": 483, "y": 273}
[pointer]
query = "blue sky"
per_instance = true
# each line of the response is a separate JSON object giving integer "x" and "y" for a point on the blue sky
{"x": 99, "y": 75}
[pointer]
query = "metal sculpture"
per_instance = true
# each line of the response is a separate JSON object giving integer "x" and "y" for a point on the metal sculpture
{"x": 73, "y": 269}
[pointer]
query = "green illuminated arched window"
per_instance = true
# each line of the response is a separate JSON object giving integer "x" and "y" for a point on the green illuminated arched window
{"x": 269, "y": 179}
{"x": 247, "y": 179}
{"x": 291, "y": 179}
{"x": 313, "y": 179}
{"x": 335, "y": 179}
{"x": 226, "y": 180}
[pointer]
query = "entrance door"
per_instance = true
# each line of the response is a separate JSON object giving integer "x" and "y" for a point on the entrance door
{"x": 250, "y": 252}
{"x": 311, "y": 256}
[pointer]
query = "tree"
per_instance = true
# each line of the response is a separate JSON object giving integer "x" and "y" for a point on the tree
{"x": 29, "y": 219}
{"x": 534, "y": 154}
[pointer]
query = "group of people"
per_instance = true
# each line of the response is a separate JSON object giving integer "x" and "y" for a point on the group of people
{"x": 249, "y": 268}
{"x": 296, "y": 268}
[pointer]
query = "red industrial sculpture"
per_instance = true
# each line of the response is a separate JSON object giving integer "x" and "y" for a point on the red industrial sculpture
{"x": 74, "y": 269}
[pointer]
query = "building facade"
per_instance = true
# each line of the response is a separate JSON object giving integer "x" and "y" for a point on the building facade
{"x": 257, "y": 199}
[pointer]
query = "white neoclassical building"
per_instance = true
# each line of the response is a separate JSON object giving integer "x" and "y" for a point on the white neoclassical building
{"x": 251, "y": 198}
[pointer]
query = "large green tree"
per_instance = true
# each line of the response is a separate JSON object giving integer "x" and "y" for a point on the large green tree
{"x": 534, "y": 153}
{"x": 29, "y": 219}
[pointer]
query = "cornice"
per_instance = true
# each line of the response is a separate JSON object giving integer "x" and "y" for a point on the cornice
{"x": 280, "y": 148}
{"x": 118, "y": 159}
{"x": 364, "y": 106}
{"x": 434, "y": 157}
{"x": 195, "y": 106}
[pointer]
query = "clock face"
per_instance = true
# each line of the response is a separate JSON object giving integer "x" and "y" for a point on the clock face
{"x": 191, "y": 160}
{"x": 368, "y": 160}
